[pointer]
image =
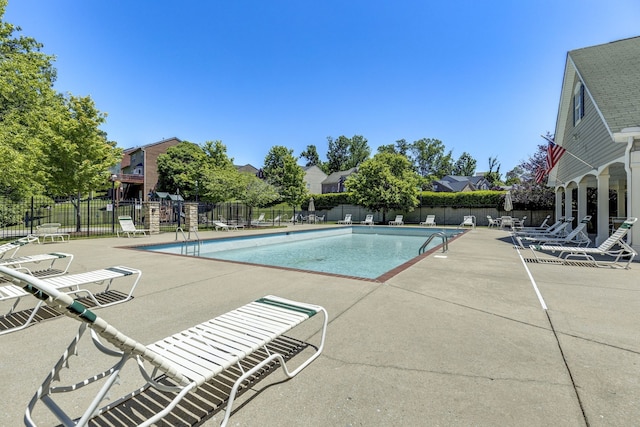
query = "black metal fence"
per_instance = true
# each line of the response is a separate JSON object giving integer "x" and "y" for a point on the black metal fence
{"x": 99, "y": 216}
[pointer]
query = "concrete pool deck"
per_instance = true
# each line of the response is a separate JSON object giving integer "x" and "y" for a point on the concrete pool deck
{"x": 456, "y": 339}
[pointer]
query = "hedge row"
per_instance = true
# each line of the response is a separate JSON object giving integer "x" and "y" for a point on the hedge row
{"x": 480, "y": 199}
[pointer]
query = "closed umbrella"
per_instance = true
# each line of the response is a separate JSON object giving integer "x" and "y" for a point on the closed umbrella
{"x": 311, "y": 217}
{"x": 508, "y": 203}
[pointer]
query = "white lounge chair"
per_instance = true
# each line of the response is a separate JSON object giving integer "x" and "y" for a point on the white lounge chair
{"x": 174, "y": 367}
{"x": 506, "y": 221}
{"x": 128, "y": 227}
{"x": 51, "y": 231}
{"x": 543, "y": 226}
{"x": 17, "y": 318}
{"x": 607, "y": 248}
{"x": 492, "y": 222}
{"x": 368, "y": 220}
{"x": 577, "y": 237}
{"x": 430, "y": 221}
{"x": 397, "y": 221}
{"x": 518, "y": 223}
{"x": 41, "y": 265}
{"x": 15, "y": 245}
{"x": 557, "y": 230}
{"x": 468, "y": 220}
{"x": 226, "y": 227}
{"x": 346, "y": 220}
{"x": 258, "y": 221}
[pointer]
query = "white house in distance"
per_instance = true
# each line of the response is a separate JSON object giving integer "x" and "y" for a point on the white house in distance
{"x": 598, "y": 123}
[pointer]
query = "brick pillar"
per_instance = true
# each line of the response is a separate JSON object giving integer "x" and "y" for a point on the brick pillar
{"x": 151, "y": 212}
{"x": 191, "y": 216}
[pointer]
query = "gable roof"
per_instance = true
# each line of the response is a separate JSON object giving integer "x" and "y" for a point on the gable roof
{"x": 459, "y": 183}
{"x": 141, "y": 147}
{"x": 611, "y": 77}
{"x": 336, "y": 176}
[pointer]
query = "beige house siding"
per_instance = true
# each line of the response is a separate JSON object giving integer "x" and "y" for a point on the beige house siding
{"x": 589, "y": 140}
{"x": 147, "y": 155}
{"x": 313, "y": 177}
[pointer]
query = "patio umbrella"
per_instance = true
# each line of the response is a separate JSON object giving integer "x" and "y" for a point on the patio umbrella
{"x": 312, "y": 207}
{"x": 508, "y": 203}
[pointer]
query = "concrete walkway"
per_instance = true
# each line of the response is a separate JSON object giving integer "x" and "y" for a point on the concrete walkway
{"x": 457, "y": 339}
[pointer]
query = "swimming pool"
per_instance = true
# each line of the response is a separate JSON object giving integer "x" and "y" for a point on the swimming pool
{"x": 364, "y": 252}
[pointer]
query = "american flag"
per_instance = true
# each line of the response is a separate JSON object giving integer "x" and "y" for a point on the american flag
{"x": 540, "y": 174}
{"x": 554, "y": 152}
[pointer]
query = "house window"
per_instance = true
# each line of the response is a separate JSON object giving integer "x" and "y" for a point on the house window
{"x": 578, "y": 103}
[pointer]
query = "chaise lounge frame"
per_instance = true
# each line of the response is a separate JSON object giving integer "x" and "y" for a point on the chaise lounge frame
{"x": 26, "y": 263}
{"x": 71, "y": 284}
{"x": 607, "y": 248}
{"x": 128, "y": 227}
{"x": 190, "y": 358}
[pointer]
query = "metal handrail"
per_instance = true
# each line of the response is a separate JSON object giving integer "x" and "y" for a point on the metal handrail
{"x": 186, "y": 239}
{"x": 445, "y": 242}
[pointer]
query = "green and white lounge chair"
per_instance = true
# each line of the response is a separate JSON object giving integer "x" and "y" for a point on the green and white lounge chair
{"x": 50, "y": 231}
{"x": 614, "y": 247}
{"x": 41, "y": 265}
{"x": 18, "y": 317}
{"x": 128, "y": 227}
{"x": 174, "y": 368}
{"x": 15, "y": 245}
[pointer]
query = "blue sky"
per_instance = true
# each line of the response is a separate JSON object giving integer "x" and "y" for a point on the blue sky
{"x": 481, "y": 76}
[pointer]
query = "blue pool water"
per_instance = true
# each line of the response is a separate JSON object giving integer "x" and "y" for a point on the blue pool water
{"x": 366, "y": 252}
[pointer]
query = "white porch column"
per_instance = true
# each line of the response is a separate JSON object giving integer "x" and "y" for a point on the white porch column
{"x": 582, "y": 200}
{"x": 603, "y": 206}
{"x": 633, "y": 196}
{"x": 559, "y": 194}
{"x": 568, "y": 202}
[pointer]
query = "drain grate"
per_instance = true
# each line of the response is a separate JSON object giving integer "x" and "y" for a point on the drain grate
{"x": 560, "y": 262}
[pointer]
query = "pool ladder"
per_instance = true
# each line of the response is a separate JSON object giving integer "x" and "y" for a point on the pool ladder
{"x": 445, "y": 242}
{"x": 184, "y": 250}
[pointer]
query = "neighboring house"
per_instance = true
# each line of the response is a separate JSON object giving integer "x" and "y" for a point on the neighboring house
{"x": 454, "y": 184}
{"x": 334, "y": 183}
{"x": 313, "y": 178}
{"x": 139, "y": 169}
{"x": 248, "y": 169}
{"x": 598, "y": 123}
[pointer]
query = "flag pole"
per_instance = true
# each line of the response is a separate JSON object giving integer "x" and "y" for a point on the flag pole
{"x": 569, "y": 152}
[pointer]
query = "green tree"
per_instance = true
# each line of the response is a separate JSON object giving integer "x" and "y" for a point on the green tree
{"x": 187, "y": 163}
{"x": 180, "y": 167}
{"x": 528, "y": 192}
{"x": 430, "y": 160}
{"x": 27, "y": 101}
{"x": 346, "y": 153}
{"x": 78, "y": 156}
{"x": 311, "y": 154}
{"x": 283, "y": 172}
{"x": 384, "y": 182}
{"x": 494, "y": 176}
{"x": 400, "y": 147}
{"x": 465, "y": 165}
{"x": 257, "y": 193}
{"x": 514, "y": 175}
